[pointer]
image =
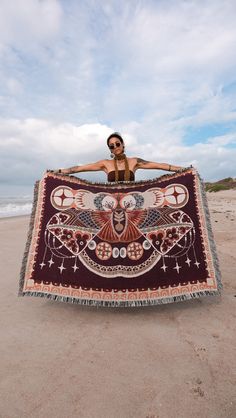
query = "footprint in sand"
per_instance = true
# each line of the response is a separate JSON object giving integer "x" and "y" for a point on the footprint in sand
{"x": 197, "y": 389}
{"x": 200, "y": 352}
{"x": 152, "y": 416}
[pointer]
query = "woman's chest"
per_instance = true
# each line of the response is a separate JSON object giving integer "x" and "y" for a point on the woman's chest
{"x": 121, "y": 164}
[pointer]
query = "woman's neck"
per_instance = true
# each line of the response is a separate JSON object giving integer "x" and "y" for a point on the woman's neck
{"x": 120, "y": 156}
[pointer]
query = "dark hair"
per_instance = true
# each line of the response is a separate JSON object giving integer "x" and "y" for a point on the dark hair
{"x": 116, "y": 135}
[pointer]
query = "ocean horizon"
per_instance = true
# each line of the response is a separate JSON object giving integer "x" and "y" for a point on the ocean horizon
{"x": 15, "y": 205}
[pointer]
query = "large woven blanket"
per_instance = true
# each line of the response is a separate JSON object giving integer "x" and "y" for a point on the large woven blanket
{"x": 120, "y": 244}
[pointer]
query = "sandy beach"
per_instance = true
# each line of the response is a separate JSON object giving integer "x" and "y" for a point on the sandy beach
{"x": 176, "y": 360}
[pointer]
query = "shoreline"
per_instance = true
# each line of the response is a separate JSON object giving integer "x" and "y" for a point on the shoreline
{"x": 211, "y": 196}
{"x": 14, "y": 217}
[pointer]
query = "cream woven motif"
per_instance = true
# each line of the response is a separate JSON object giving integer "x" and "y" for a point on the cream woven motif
{"x": 126, "y": 237}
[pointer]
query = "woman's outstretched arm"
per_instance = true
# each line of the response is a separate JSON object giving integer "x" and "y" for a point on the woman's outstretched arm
{"x": 153, "y": 165}
{"x": 97, "y": 166}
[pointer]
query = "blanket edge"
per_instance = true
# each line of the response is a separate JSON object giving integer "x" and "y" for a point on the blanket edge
{"x": 123, "y": 304}
{"x": 212, "y": 243}
{"x": 29, "y": 238}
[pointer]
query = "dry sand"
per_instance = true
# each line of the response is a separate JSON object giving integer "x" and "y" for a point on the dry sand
{"x": 61, "y": 360}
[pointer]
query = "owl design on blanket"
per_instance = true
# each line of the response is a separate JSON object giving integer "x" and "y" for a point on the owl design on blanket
{"x": 120, "y": 233}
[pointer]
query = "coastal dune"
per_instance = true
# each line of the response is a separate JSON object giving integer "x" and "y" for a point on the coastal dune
{"x": 165, "y": 361}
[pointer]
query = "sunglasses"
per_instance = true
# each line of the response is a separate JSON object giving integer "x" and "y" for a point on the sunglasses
{"x": 116, "y": 145}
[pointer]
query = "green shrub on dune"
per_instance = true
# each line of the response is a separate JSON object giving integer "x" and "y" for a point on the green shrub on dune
{"x": 224, "y": 184}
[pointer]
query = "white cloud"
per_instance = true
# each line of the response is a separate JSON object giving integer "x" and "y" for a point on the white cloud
{"x": 152, "y": 70}
{"x": 14, "y": 86}
{"x": 29, "y": 147}
{"x": 26, "y": 22}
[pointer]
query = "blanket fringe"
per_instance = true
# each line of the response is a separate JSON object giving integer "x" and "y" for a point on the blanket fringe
{"x": 131, "y": 303}
{"x": 29, "y": 238}
{"x": 210, "y": 233}
{"x": 122, "y": 304}
{"x": 115, "y": 183}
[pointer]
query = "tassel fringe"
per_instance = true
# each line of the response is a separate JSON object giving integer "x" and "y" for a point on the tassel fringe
{"x": 29, "y": 238}
{"x": 122, "y": 304}
{"x": 115, "y": 183}
{"x": 131, "y": 303}
{"x": 210, "y": 233}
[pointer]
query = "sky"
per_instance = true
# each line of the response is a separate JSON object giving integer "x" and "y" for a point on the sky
{"x": 160, "y": 72}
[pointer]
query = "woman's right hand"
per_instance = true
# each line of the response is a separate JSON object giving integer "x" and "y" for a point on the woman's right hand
{"x": 53, "y": 171}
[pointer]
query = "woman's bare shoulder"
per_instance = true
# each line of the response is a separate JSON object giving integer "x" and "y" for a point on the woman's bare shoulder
{"x": 106, "y": 161}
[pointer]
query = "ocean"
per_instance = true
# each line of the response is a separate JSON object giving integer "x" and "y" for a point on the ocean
{"x": 15, "y": 206}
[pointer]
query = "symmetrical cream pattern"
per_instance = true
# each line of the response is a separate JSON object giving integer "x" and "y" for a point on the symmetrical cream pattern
{"x": 151, "y": 225}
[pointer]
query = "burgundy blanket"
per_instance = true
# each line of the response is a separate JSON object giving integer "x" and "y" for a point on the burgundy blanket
{"x": 120, "y": 244}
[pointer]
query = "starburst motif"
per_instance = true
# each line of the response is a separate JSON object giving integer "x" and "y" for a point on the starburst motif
{"x": 50, "y": 262}
{"x": 61, "y": 268}
{"x": 188, "y": 261}
{"x": 42, "y": 264}
{"x": 164, "y": 267}
{"x": 75, "y": 267}
{"x": 177, "y": 267}
{"x": 197, "y": 264}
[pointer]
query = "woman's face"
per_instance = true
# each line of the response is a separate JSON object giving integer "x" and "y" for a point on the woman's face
{"x": 116, "y": 146}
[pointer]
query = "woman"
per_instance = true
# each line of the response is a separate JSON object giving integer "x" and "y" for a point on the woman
{"x": 120, "y": 168}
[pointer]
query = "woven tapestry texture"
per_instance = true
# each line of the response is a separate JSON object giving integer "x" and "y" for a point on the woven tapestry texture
{"x": 120, "y": 244}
